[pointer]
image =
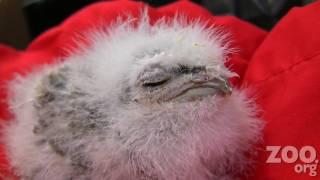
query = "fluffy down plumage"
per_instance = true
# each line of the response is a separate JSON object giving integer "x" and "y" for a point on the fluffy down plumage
{"x": 82, "y": 118}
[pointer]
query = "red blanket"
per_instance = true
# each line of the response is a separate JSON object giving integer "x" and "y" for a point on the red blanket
{"x": 283, "y": 66}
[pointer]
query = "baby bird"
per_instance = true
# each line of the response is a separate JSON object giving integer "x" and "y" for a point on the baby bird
{"x": 141, "y": 102}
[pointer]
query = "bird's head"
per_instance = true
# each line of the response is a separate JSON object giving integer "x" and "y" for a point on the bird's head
{"x": 159, "y": 83}
{"x": 152, "y": 65}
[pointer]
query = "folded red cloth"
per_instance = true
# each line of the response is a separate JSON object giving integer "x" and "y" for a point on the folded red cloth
{"x": 285, "y": 70}
{"x": 281, "y": 66}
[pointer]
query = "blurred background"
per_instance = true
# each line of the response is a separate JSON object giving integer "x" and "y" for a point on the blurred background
{"x": 23, "y": 20}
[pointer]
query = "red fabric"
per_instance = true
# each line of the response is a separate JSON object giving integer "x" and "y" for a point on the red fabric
{"x": 285, "y": 70}
{"x": 282, "y": 66}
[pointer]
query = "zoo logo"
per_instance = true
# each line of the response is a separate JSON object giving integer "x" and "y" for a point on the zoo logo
{"x": 307, "y": 155}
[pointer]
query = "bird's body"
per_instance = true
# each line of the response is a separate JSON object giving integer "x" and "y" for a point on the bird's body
{"x": 142, "y": 102}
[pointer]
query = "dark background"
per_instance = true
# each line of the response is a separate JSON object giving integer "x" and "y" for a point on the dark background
{"x": 23, "y": 20}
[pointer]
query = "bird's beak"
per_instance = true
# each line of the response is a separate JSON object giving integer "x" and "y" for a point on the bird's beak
{"x": 219, "y": 83}
{"x": 223, "y": 85}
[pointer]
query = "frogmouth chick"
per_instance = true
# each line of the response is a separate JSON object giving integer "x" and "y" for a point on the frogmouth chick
{"x": 142, "y": 102}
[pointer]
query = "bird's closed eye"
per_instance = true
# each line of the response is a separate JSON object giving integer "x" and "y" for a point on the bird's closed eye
{"x": 155, "y": 83}
{"x": 153, "y": 77}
